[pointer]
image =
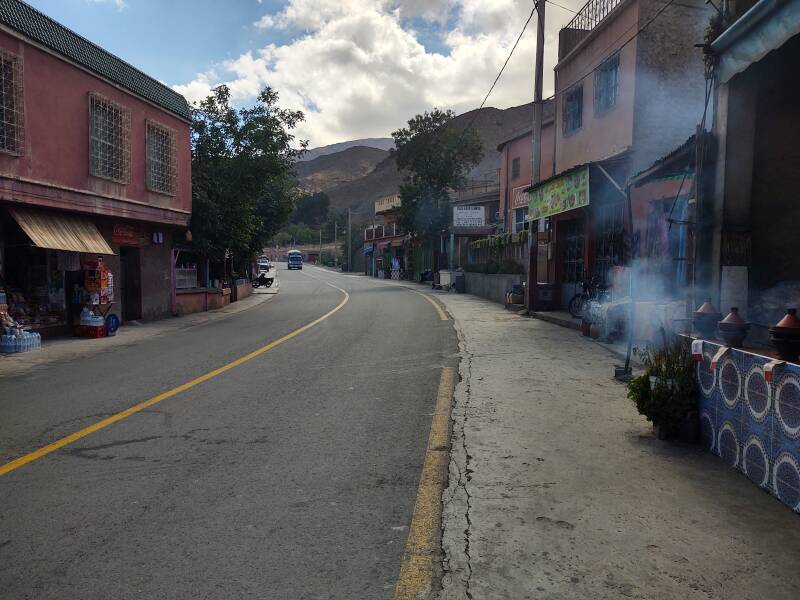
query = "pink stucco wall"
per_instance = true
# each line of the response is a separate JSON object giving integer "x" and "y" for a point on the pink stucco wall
{"x": 602, "y": 135}
{"x": 522, "y": 147}
{"x": 54, "y": 171}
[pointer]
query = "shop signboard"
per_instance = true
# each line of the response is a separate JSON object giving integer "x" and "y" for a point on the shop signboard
{"x": 520, "y": 197}
{"x": 126, "y": 234}
{"x": 560, "y": 195}
{"x": 469, "y": 216}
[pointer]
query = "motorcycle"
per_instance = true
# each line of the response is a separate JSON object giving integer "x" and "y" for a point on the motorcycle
{"x": 264, "y": 279}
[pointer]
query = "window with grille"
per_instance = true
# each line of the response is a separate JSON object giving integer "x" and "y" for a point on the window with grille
{"x": 606, "y": 85}
{"x": 571, "y": 240}
{"x": 521, "y": 219}
{"x": 610, "y": 238}
{"x": 12, "y": 121}
{"x": 515, "y": 168}
{"x": 572, "y": 115}
{"x": 109, "y": 139}
{"x": 161, "y": 158}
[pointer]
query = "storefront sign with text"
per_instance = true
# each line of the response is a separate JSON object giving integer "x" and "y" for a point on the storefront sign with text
{"x": 127, "y": 235}
{"x": 560, "y": 195}
{"x": 469, "y": 216}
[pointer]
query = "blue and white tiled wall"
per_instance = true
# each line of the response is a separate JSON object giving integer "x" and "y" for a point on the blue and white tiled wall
{"x": 752, "y": 424}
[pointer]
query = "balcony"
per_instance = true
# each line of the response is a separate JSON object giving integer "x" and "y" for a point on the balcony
{"x": 479, "y": 188}
{"x": 379, "y": 232}
{"x": 587, "y": 18}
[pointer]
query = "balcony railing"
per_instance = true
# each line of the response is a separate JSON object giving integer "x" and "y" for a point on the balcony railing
{"x": 378, "y": 232}
{"x": 592, "y": 13}
{"x": 481, "y": 186}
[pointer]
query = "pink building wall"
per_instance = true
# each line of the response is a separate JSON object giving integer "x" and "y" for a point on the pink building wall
{"x": 601, "y": 135}
{"x": 522, "y": 147}
{"x": 54, "y": 170}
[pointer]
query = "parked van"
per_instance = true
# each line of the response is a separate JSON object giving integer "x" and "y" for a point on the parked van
{"x": 294, "y": 258}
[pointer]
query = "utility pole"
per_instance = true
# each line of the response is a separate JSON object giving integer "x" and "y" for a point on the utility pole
{"x": 319, "y": 257}
{"x": 349, "y": 243}
{"x": 335, "y": 245}
{"x": 533, "y": 236}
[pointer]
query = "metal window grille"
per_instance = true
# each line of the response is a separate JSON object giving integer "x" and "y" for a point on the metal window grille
{"x": 610, "y": 244}
{"x": 515, "y": 168}
{"x": 161, "y": 159}
{"x": 109, "y": 139}
{"x": 12, "y": 117}
{"x": 571, "y": 233}
{"x": 572, "y": 116}
{"x": 606, "y": 85}
{"x": 185, "y": 279}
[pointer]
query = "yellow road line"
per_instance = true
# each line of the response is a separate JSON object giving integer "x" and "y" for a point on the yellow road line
{"x": 442, "y": 314}
{"x": 45, "y": 450}
{"x": 422, "y": 545}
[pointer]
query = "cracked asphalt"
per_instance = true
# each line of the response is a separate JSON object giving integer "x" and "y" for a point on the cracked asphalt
{"x": 292, "y": 475}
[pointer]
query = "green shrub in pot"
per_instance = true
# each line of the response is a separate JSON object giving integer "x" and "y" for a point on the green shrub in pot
{"x": 665, "y": 393}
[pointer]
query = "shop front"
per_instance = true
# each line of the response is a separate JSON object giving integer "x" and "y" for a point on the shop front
{"x": 55, "y": 266}
{"x": 578, "y": 226}
{"x": 52, "y": 268}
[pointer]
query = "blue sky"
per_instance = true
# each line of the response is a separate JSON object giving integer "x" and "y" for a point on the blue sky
{"x": 358, "y": 68}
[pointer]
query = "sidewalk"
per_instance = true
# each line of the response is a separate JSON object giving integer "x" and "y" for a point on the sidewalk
{"x": 558, "y": 488}
{"x": 72, "y": 348}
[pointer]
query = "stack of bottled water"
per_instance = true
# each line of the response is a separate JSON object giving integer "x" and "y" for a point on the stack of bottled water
{"x": 14, "y": 341}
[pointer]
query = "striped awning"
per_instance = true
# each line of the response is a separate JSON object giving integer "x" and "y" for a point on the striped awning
{"x": 61, "y": 232}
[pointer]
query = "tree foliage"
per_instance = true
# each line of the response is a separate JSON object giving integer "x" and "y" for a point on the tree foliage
{"x": 312, "y": 209}
{"x": 243, "y": 183}
{"x": 437, "y": 156}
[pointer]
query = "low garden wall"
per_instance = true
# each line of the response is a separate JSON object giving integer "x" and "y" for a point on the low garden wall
{"x": 751, "y": 423}
{"x": 491, "y": 287}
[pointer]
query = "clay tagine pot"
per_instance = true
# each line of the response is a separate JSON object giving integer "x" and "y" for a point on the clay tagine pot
{"x": 733, "y": 328}
{"x": 785, "y": 336}
{"x": 705, "y": 319}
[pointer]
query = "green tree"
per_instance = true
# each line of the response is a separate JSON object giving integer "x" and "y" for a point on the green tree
{"x": 312, "y": 209}
{"x": 437, "y": 156}
{"x": 243, "y": 184}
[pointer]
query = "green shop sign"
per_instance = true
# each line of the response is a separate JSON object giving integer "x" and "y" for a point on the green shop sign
{"x": 560, "y": 195}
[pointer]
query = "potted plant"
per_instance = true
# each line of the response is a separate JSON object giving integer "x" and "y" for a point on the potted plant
{"x": 665, "y": 392}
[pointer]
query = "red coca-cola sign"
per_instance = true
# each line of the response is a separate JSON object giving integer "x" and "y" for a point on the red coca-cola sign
{"x": 127, "y": 235}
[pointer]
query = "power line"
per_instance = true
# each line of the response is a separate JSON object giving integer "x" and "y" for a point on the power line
{"x": 505, "y": 64}
{"x": 572, "y": 10}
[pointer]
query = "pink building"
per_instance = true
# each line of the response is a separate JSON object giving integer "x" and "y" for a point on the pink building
{"x": 95, "y": 165}
{"x": 629, "y": 88}
{"x": 516, "y": 161}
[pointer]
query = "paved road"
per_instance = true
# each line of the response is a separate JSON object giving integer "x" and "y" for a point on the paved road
{"x": 292, "y": 475}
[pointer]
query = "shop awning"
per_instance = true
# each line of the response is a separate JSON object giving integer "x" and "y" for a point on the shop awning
{"x": 61, "y": 232}
{"x": 766, "y": 26}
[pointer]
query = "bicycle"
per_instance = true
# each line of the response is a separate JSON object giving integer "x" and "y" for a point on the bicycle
{"x": 591, "y": 291}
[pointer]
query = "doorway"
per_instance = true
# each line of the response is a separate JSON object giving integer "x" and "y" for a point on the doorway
{"x": 131, "y": 283}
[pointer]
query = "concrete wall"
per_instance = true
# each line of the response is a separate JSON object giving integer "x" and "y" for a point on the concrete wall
{"x": 491, "y": 287}
{"x": 55, "y": 164}
{"x": 670, "y": 78}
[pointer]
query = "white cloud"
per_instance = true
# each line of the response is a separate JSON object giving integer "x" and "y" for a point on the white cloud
{"x": 357, "y": 68}
{"x": 120, "y": 4}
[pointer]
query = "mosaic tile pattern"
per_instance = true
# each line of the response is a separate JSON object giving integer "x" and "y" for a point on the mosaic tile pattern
{"x": 751, "y": 424}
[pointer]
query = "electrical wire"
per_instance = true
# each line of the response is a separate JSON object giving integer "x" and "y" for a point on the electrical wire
{"x": 561, "y": 6}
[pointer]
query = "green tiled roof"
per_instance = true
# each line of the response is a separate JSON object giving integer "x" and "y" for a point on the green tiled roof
{"x": 39, "y": 27}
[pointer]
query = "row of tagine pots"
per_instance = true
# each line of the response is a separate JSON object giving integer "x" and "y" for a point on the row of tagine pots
{"x": 784, "y": 335}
